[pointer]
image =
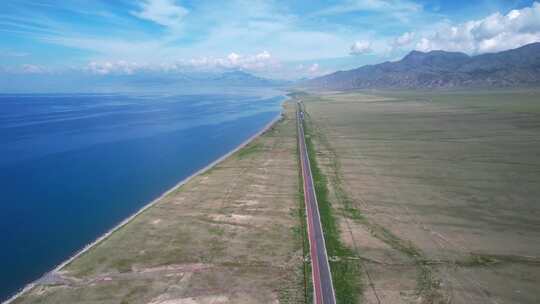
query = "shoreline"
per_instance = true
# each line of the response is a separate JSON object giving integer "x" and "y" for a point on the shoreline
{"x": 127, "y": 220}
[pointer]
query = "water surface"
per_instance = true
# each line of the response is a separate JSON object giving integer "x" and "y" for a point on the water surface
{"x": 73, "y": 166}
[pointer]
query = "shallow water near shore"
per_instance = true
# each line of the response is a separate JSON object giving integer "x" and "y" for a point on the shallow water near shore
{"x": 73, "y": 166}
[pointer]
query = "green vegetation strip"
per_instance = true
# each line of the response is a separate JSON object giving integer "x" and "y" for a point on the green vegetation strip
{"x": 303, "y": 234}
{"x": 248, "y": 150}
{"x": 345, "y": 271}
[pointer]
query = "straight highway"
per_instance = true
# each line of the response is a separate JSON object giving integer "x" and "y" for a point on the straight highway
{"x": 323, "y": 289}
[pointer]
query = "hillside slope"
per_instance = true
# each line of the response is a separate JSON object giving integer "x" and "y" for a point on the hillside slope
{"x": 440, "y": 69}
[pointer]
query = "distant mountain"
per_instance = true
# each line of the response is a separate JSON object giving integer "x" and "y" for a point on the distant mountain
{"x": 141, "y": 81}
{"x": 215, "y": 79}
{"x": 241, "y": 78}
{"x": 440, "y": 69}
{"x": 178, "y": 81}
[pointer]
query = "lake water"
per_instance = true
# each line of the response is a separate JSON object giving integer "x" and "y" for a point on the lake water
{"x": 73, "y": 166}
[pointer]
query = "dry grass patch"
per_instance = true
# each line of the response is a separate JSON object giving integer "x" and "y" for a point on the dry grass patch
{"x": 439, "y": 179}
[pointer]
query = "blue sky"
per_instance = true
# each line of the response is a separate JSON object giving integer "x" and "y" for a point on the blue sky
{"x": 280, "y": 39}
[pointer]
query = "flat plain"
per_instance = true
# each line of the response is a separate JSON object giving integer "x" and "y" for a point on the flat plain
{"x": 230, "y": 235}
{"x": 436, "y": 194}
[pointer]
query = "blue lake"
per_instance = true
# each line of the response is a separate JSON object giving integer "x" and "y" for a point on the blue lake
{"x": 74, "y": 166}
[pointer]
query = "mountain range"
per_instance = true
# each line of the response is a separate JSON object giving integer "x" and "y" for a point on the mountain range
{"x": 441, "y": 69}
{"x": 232, "y": 78}
{"x": 143, "y": 81}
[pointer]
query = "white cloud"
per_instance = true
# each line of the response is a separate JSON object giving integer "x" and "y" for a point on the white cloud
{"x": 360, "y": 48}
{"x": 163, "y": 12}
{"x": 258, "y": 62}
{"x": 400, "y": 9}
{"x": 263, "y": 56}
{"x": 114, "y": 67}
{"x": 494, "y": 33}
{"x": 13, "y": 54}
{"x": 403, "y": 40}
{"x": 423, "y": 45}
{"x": 314, "y": 68}
{"x": 32, "y": 69}
{"x": 233, "y": 58}
{"x": 309, "y": 70}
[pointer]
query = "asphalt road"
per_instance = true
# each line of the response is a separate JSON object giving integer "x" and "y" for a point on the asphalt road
{"x": 323, "y": 290}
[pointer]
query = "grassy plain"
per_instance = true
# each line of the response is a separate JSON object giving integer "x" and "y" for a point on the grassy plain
{"x": 435, "y": 194}
{"x": 231, "y": 235}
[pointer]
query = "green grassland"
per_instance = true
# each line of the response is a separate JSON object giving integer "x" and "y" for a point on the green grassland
{"x": 344, "y": 267}
{"x": 436, "y": 192}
